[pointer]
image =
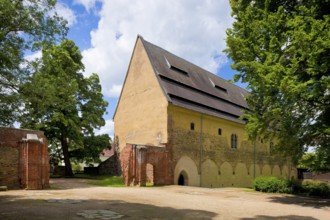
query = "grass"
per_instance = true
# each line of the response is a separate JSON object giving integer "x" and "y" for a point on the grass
{"x": 108, "y": 181}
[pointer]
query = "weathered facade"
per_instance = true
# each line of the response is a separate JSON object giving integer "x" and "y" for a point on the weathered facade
{"x": 189, "y": 119}
{"x": 24, "y": 160}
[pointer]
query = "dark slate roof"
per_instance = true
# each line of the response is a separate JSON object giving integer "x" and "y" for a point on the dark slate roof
{"x": 191, "y": 87}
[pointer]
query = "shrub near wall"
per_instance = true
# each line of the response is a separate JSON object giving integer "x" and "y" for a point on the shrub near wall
{"x": 271, "y": 184}
{"x": 279, "y": 185}
{"x": 316, "y": 188}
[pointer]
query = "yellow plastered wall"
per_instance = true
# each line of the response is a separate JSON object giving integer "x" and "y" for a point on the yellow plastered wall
{"x": 221, "y": 165}
{"x": 141, "y": 115}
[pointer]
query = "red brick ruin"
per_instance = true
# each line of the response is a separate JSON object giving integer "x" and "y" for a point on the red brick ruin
{"x": 24, "y": 160}
{"x": 145, "y": 163}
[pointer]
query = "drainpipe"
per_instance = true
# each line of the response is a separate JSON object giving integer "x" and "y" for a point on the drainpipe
{"x": 27, "y": 164}
{"x": 201, "y": 149}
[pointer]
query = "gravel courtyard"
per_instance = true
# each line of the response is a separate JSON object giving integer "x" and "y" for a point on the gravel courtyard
{"x": 74, "y": 199}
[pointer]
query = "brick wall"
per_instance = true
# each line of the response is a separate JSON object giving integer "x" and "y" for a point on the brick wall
{"x": 23, "y": 163}
{"x": 134, "y": 160}
{"x": 9, "y": 167}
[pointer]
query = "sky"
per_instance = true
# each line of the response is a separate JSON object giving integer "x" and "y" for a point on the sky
{"x": 106, "y": 31}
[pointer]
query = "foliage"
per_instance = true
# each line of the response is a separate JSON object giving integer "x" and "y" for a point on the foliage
{"x": 77, "y": 167}
{"x": 279, "y": 185}
{"x": 25, "y": 26}
{"x": 110, "y": 181}
{"x": 316, "y": 188}
{"x": 314, "y": 161}
{"x": 93, "y": 147}
{"x": 63, "y": 103}
{"x": 271, "y": 184}
{"x": 282, "y": 49}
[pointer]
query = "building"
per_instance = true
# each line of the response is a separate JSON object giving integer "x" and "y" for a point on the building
{"x": 176, "y": 123}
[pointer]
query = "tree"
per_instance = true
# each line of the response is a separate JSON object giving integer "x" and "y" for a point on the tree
{"x": 24, "y": 26}
{"x": 281, "y": 48}
{"x": 64, "y": 104}
{"x": 314, "y": 161}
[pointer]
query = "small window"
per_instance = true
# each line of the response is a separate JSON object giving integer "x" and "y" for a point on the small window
{"x": 175, "y": 68}
{"x": 192, "y": 126}
{"x": 219, "y": 131}
{"x": 234, "y": 141}
{"x": 179, "y": 70}
{"x": 220, "y": 88}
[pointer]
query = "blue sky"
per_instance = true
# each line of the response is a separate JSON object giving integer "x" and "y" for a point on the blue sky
{"x": 106, "y": 30}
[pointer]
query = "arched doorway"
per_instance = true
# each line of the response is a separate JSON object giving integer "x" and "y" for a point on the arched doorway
{"x": 183, "y": 179}
{"x": 150, "y": 174}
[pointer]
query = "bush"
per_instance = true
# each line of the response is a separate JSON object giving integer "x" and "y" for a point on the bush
{"x": 272, "y": 184}
{"x": 316, "y": 188}
{"x": 279, "y": 185}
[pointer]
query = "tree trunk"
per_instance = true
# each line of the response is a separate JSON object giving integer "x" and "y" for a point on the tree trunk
{"x": 65, "y": 148}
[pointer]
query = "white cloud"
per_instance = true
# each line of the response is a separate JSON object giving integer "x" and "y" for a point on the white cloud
{"x": 64, "y": 11}
{"x": 34, "y": 56}
{"x": 113, "y": 91}
{"x": 88, "y": 4}
{"x": 108, "y": 128}
{"x": 192, "y": 29}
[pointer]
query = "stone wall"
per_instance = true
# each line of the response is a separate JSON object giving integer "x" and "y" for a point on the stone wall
{"x": 205, "y": 157}
{"x": 110, "y": 166}
{"x": 24, "y": 159}
{"x": 141, "y": 114}
{"x": 221, "y": 165}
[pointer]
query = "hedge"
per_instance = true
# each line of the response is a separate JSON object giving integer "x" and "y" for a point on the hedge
{"x": 274, "y": 184}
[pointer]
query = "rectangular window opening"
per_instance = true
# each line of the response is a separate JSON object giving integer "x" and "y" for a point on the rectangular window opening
{"x": 192, "y": 126}
{"x": 219, "y": 131}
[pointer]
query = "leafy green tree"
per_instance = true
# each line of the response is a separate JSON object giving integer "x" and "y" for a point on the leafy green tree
{"x": 64, "y": 104}
{"x": 314, "y": 161}
{"x": 93, "y": 147}
{"x": 281, "y": 48}
{"x": 24, "y": 26}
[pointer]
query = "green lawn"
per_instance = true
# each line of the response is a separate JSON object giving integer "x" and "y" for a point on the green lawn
{"x": 108, "y": 181}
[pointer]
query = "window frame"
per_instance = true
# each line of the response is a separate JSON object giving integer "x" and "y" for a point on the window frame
{"x": 233, "y": 141}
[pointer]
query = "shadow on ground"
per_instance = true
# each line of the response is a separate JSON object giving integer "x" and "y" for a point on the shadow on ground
{"x": 17, "y": 207}
{"x": 317, "y": 203}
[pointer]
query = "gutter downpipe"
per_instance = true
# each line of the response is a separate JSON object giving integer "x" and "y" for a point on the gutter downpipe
{"x": 27, "y": 164}
{"x": 201, "y": 149}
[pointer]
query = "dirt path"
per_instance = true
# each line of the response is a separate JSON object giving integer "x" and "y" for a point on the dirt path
{"x": 74, "y": 199}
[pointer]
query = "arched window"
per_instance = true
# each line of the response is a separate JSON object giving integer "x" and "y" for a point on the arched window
{"x": 234, "y": 141}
